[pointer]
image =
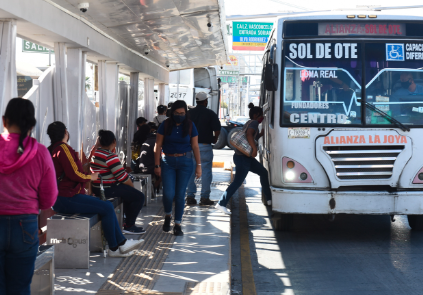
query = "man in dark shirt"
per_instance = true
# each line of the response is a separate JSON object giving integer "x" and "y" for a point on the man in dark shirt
{"x": 206, "y": 122}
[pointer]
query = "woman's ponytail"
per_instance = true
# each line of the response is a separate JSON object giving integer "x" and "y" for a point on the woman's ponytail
{"x": 21, "y": 113}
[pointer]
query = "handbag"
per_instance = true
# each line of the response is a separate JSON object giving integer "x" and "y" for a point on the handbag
{"x": 240, "y": 142}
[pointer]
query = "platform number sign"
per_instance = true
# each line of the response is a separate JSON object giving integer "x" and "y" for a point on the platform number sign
{"x": 394, "y": 52}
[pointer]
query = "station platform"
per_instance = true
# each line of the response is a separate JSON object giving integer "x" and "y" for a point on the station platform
{"x": 198, "y": 262}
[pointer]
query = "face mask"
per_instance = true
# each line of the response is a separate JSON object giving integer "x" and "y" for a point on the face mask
{"x": 405, "y": 84}
{"x": 260, "y": 120}
{"x": 178, "y": 119}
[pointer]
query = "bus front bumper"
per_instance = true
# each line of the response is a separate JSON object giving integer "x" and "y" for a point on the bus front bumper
{"x": 347, "y": 202}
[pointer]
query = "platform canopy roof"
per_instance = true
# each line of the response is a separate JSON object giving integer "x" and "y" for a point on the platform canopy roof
{"x": 175, "y": 31}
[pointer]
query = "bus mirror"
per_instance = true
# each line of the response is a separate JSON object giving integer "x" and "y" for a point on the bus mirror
{"x": 271, "y": 77}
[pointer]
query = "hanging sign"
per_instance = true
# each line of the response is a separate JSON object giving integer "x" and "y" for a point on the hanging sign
{"x": 250, "y": 36}
{"x": 32, "y": 47}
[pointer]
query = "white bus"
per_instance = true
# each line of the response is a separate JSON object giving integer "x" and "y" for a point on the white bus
{"x": 343, "y": 99}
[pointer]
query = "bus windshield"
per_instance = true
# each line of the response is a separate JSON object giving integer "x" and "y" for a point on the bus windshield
{"x": 326, "y": 83}
{"x": 321, "y": 87}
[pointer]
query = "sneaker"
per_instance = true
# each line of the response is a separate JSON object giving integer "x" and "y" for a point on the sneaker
{"x": 206, "y": 201}
{"x": 130, "y": 245}
{"x": 269, "y": 203}
{"x": 191, "y": 201}
{"x": 223, "y": 209}
{"x": 118, "y": 254}
{"x": 166, "y": 225}
{"x": 134, "y": 230}
{"x": 177, "y": 230}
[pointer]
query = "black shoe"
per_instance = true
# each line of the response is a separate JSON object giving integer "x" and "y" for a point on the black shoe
{"x": 166, "y": 225}
{"x": 177, "y": 230}
{"x": 206, "y": 201}
{"x": 191, "y": 201}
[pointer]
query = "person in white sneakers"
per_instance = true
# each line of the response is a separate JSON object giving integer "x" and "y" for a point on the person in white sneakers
{"x": 246, "y": 164}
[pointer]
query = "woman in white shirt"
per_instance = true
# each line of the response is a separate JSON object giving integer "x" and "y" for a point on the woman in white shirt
{"x": 161, "y": 110}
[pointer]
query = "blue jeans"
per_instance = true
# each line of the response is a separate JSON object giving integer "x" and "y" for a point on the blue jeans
{"x": 206, "y": 152}
{"x": 88, "y": 204}
{"x": 244, "y": 165}
{"x": 18, "y": 251}
{"x": 176, "y": 172}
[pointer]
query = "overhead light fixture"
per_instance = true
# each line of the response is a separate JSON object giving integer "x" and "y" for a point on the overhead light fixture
{"x": 350, "y": 16}
{"x": 361, "y": 16}
{"x": 372, "y": 16}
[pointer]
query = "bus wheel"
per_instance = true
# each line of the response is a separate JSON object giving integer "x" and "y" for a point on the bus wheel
{"x": 415, "y": 222}
{"x": 221, "y": 141}
{"x": 230, "y": 135}
{"x": 283, "y": 222}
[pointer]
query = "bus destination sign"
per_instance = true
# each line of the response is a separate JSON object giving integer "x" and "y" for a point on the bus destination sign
{"x": 362, "y": 29}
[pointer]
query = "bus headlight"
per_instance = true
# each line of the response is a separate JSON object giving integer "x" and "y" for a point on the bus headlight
{"x": 290, "y": 175}
{"x": 294, "y": 172}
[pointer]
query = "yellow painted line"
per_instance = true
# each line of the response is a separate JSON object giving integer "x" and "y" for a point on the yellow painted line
{"x": 218, "y": 164}
{"x": 248, "y": 285}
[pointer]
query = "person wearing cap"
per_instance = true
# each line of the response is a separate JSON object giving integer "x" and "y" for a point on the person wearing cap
{"x": 206, "y": 122}
{"x": 161, "y": 110}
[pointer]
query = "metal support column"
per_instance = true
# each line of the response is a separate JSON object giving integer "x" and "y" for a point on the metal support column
{"x": 61, "y": 104}
{"x": 132, "y": 110}
{"x": 149, "y": 100}
{"x": 8, "y": 82}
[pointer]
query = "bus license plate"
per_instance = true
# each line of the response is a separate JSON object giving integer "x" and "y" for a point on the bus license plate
{"x": 303, "y": 132}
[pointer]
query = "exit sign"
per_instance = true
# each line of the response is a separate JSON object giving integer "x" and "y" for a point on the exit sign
{"x": 32, "y": 47}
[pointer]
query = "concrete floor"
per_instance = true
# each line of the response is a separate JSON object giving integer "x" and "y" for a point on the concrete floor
{"x": 201, "y": 255}
{"x": 354, "y": 254}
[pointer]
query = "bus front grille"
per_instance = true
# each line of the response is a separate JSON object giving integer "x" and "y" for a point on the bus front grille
{"x": 363, "y": 162}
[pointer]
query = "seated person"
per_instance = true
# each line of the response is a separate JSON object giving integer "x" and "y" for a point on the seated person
{"x": 408, "y": 87}
{"x": 72, "y": 198}
{"x": 139, "y": 137}
{"x": 116, "y": 181}
{"x": 146, "y": 158}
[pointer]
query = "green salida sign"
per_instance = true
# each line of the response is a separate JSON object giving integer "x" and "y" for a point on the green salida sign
{"x": 32, "y": 47}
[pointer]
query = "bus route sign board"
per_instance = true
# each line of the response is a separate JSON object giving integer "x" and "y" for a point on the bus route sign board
{"x": 228, "y": 73}
{"x": 250, "y": 35}
{"x": 32, "y": 47}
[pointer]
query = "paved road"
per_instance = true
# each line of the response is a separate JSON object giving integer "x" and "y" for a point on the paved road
{"x": 351, "y": 255}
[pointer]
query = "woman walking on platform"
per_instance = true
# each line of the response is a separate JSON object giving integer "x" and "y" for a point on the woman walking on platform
{"x": 177, "y": 136}
{"x": 28, "y": 184}
{"x": 246, "y": 164}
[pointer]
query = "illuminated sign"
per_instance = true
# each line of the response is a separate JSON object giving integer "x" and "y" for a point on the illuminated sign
{"x": 362, "y": 29}
{"x": 322, "y": 50}
{"x": 250, "y": 36}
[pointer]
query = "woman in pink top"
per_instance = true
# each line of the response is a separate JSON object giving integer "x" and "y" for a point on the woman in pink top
{"x": 28, "y": 184}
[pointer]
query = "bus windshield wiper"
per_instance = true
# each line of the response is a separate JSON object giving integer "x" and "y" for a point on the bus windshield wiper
{"x": 387, "y": 117}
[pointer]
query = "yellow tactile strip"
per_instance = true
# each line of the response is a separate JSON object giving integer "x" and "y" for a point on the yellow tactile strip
{"x": 137, "y": 274}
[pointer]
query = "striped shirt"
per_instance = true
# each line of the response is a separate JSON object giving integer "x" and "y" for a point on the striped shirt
{"x": 109, "y": 167}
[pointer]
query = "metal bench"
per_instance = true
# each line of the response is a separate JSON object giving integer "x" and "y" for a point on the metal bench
{"x": 75, "y": 236}
{"x": 144, "y": 183}
{"x": 43, "y": 278}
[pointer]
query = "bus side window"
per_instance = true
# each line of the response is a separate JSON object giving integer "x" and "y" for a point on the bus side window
{"x": 263, "y": 98}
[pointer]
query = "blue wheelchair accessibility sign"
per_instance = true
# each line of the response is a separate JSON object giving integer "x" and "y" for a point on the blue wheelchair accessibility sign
{"x": 394, "y": 52}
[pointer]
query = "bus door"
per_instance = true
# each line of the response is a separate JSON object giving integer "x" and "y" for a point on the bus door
{"x": 267, "y": 101}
